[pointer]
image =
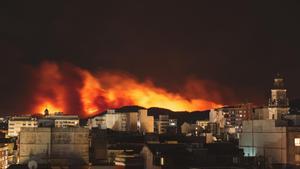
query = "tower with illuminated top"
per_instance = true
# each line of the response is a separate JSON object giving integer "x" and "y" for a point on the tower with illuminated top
{"x": 278, "y": 103}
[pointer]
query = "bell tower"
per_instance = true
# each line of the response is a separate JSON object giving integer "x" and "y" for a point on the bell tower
{"x": 278, "y": 93}
{"x": 278, "y": 103}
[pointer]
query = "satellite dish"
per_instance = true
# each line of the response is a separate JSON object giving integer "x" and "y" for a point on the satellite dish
{"x": 32, "y": 164}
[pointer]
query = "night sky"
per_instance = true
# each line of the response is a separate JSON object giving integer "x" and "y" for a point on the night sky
{"x": 237, "y": 45}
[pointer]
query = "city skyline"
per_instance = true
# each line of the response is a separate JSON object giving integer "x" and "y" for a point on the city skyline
{"x": 236, "y": 48}
{"x": 149, "y": 85}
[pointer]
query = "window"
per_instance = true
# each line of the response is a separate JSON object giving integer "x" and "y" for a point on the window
{"x": 297, "y": 141}
{"x": 297, "y": 157}
{"x": 162, "y": 161}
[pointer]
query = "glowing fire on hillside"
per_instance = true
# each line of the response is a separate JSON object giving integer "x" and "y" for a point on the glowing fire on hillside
{"x": 75, "y": 90}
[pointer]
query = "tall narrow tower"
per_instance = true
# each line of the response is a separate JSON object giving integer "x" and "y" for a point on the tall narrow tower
{"x": 278, "y": 103}
{"x": 278, "y": 93}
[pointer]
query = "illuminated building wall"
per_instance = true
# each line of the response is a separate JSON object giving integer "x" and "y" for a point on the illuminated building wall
{"x": 293, "y": 145}
{"x": 263, "y": 138}
{"x": 118, "y": 121}
{"x": 161, "y": 124}
{"x": 3, "y": 156}
{"x": 231, "y": 117}
{"x": 58, "y": 146}
{"x": 121, "y": 121}
{"x": 16, "y": 123}
{"x": 145, "y": 122}
{"x": 59, "y": 121}
{"x": 97, "y": 122}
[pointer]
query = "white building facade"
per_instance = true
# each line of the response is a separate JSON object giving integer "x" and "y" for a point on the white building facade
{"x": 264, "y": 138}
{"x": 124, "y": 121}
{"x": 145, "y": 122}
{"x": 3, "y": 156}
{"x": 16, "y": 123}
{"x": 162, "y": 124}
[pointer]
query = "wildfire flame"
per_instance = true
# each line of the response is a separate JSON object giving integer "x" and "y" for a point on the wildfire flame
{"x": 80, "y": 91}
{"x": 49, "y": 93}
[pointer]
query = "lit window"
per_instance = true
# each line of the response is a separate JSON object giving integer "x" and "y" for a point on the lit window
{"x": 297, "y": 141}
{"x": 297, "y": 157}
{"x": 162, "y": 161}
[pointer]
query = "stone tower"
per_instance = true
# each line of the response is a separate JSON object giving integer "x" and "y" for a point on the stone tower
{"x": 278, "y": 93}
{"x": 278, "y": 103}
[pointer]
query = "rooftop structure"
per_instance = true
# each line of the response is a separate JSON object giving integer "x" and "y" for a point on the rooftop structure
{"x": 59, "y": 120}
